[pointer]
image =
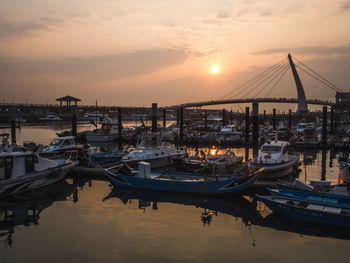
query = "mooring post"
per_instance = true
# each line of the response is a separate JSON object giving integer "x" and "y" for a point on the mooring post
{"x": 324, "y": 126}
{"x": 13, "y": 125}
{"x": 223, "y": 117}
{"x": 120, "y": 127}
{"x": 247, "y": 125}
{"x": 324, "y": 162}
{"x": 264, "y": 118}
{"x": 274, "y": 119}
{"x": 164, "y": 117}
{"x": 181, "y": 111}
{"x": 177, "y": 116}
{"x": 74, "y": 122}
{"x": 290, "y": 120}
{"x": 154, "y": 117}
{"x": 205, "y": 120}
{"x": 332, "y": 120}
{"x": 335, "y": 121}
{"x": 255, "y": 128}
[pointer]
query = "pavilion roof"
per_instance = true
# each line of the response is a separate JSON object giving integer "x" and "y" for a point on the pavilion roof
{"x": 68, "y": 98}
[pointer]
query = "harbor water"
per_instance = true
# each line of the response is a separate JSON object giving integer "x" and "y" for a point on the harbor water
{"x": 82, "y": 219}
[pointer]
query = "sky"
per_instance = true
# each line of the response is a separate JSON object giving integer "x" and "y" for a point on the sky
{"x": 134, "y": 53}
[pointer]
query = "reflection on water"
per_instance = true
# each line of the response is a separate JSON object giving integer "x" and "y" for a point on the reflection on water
{"x": 100, "y": 224}
{"x": 24, "y": 209}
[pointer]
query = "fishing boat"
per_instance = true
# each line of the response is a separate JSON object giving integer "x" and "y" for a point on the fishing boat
{"x": 59, "y": 145}
{"x": 51, "y": 117}
{"x": 151, "y": 148}
{"x": 307, "y": 211}
{"x": 308, "y": 139}
{"x": 223, "y": 157}
{"x": 106, "y": 133}
{"x": 338, "y": 196}
{"x": 274, "y": 157}
{"x": 142, "y": 178}
{"x": 104, "y": 157}
{"x": 21, "y": 171}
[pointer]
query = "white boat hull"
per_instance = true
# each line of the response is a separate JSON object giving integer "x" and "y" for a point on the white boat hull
{"x": 274, "y": 171}
{"x": 34, "y": 180}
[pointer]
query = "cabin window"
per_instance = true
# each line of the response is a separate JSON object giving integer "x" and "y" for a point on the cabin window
{"x": 29, "y": 163}
{"x": 2, "y": 163}
{"x": 271, "y": 148}
{"x": 8, "y": 161}
{"x": 67, "y": 142}
{"x": 56, "y": 142}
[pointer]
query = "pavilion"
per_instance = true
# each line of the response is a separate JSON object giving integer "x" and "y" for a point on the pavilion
{"x": 68, "y": 99}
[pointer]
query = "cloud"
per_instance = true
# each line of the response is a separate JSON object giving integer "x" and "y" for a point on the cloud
{"x": 9, "y": 29}
{"x": 108, "y": 66}
{"x": 346, "y": 5}
{"x": 311, "y": 50}
{"x": 223, "y": 15}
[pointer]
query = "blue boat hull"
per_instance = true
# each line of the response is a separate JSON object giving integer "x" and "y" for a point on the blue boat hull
{"x": 212, "y": 187}
{"x": 314, "y": 197}
{"x": 306, "y": 214}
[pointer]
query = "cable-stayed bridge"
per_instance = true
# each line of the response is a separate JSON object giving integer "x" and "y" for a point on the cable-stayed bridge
{"x": 267, "y": 80}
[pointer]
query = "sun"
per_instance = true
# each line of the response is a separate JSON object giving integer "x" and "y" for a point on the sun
{"x": 214, "y": 69}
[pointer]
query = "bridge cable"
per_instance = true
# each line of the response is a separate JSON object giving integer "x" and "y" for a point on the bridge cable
{"x": 281, "y": 76}
{"x": 324, "y": 79}
{"x": 253, "y": 79}
{"x": 267, "y": 77}
{"x": 261, "y": 79}
{"x": 316, "y": 78}
{"x": 272, "y": 79}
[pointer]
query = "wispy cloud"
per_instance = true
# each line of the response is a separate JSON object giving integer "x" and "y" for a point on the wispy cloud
{"x": 9, "y": 29}
{"x": 311, "y": 50}
{"x": 98, "y": 67}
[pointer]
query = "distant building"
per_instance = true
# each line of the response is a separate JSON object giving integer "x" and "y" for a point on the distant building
{"x": 342, "y": 101}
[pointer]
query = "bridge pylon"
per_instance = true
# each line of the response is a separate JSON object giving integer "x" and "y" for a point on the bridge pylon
{"x": 302, "y": 104}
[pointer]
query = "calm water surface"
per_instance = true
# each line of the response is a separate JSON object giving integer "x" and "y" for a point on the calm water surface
{"x": 82, "y": 220}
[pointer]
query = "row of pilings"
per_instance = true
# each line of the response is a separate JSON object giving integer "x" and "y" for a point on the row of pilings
{"x": 255, "y": 119}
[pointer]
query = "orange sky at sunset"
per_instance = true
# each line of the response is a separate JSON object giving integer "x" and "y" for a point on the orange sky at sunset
{"x": 139, "y": 52}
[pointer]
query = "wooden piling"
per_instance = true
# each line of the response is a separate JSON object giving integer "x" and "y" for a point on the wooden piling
{"x": 74, "y": 121}
{"x": 164, "y": 117}
{"x": 154, "y": 117}
{"x": 247, "y": 125}
{"x": 120, "y": 127}
{"x": 324, "y": 127}
{"x": 181, "y": 111}
{"x": 290, "y": 120}
{"x": 13, "y": 125}
{"x": 274, "y": 119}
{"x": 255, "y": 128}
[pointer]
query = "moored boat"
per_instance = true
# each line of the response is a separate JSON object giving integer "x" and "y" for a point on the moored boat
{"x": 123, "y": 176}
{"x": 274, "y": 157}
{"x": 22, "y": 171}
{"x": 337, "y": 197}
{"x": 302, "y": 210}
{"x": 108, "y": 132}
{"x": 151, "y": 148}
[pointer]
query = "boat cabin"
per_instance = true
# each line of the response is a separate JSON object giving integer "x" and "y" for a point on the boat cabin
{"x": 15, "y": 164}
{"x": 61, "y": 144}
{"x": 274, "y": 152}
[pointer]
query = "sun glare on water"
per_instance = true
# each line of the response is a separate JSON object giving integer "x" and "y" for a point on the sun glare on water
{"x": 215, "y": 69}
